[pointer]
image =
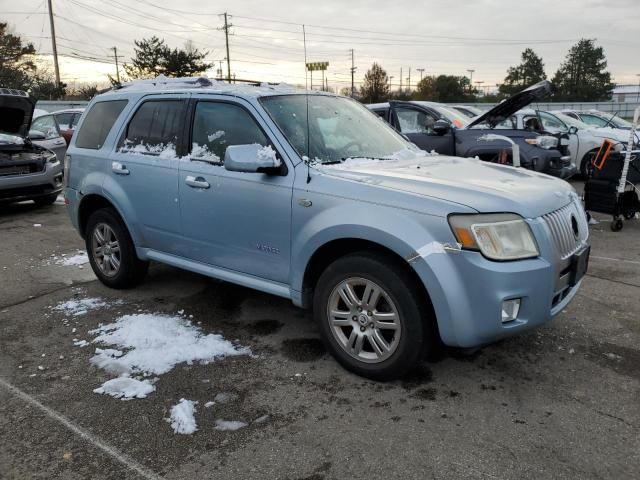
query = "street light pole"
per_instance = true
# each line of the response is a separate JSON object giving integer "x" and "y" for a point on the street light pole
{"x": 421, "y": 70}
{"x": 470, "y": 79}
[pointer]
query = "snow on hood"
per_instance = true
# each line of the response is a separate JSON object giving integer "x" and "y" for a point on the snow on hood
{"x": 485, "y": 187}
{"x": 617, "y": 134}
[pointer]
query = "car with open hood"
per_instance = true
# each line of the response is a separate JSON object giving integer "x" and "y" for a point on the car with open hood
{"x": 584, "y": 140}
{"x": 311, "y": 197}
{"x": 27, "y": 171}
{"x": 437, "y": 127}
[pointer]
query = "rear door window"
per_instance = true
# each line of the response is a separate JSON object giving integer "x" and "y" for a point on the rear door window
{"x": 155, "y": 128}
{"x": 98, "y": 124}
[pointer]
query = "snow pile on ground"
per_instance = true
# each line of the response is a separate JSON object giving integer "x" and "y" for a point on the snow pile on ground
{"x": 80, "y": 259}
{"x": 182, "y": 417}
{"x": 80, "y": 306}
{"x": 229, "y": 425}
{"x": 126, "y": 388}
{"x": 156, "y": 343}
{"x": 153, "y": 344}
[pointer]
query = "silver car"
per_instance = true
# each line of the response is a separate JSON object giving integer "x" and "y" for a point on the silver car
{"x": 27, "y": 171}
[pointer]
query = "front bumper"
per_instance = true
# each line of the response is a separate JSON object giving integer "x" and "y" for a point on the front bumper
{"x": 17, "y": 188}
{"x": 467, "y": 290}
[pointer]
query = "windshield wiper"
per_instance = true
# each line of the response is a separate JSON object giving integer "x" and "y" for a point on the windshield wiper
{"x": 364, "y": 156}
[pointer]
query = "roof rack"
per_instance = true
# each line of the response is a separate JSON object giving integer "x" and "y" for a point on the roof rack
{"x": 188, "y": 82}
{"x": 162, "y": 81}
{"x": 14, "y": 92}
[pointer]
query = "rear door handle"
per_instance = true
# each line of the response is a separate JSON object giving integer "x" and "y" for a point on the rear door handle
{"x": 119, "y": 168}
{"x": 196, "y": 182}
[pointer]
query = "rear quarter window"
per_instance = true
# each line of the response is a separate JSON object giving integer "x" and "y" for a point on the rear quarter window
{"x": 98, "y": 123}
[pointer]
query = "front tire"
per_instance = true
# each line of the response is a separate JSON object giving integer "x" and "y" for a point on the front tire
{"x": 111, "y": 251}
{"x": 372, "y": 315}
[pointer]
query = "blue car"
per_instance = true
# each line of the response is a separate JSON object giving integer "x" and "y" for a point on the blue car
{"x": 311, "y": 197}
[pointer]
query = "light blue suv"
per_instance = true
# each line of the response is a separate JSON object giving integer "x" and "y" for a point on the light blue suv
{"x": 311, "y": 197}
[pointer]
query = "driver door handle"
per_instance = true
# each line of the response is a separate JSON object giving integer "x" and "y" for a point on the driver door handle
{"x": 196, "y": 182}
{"x": 119, "y": 168}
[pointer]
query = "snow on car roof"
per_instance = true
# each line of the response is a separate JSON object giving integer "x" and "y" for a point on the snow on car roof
{"x": 204, "y": 84}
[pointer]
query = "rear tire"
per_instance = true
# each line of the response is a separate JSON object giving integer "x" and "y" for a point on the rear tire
{"x": 586, "y": 167}
{"x": 111, "y": 251}
{"x": 46, "y": 200}
{"x": 381, "y": 331}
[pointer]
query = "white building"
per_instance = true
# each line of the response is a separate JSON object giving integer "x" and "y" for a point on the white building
{"x": 626, "y": 93}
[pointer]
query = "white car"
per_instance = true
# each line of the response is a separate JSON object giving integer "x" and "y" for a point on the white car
{"x": 584, "y": 140}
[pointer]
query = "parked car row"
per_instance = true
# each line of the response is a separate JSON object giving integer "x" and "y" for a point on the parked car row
{"x": 445, "y": 130}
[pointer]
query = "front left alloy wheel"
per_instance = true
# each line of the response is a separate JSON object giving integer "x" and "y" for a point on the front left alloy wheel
{"x": 372, "y": 315}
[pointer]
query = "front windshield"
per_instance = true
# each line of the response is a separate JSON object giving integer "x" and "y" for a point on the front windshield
{"x": 339, "y": 128}
{"x": 572, "y": 122}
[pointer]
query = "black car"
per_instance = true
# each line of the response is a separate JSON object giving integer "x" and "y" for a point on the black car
{"x": 437, "y": 127}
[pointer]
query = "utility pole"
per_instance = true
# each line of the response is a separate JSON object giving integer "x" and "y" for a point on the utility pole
{"x": 409, "y": 80}
{"x": 226, "y": 37}
{"x": 353, "y": 71}
{"x": 421, "y": 70}
{"x": 470, "y": 79}
{"x": 115, "y": 55}
{"x": 400, "y": 78}
{"x": 54, "y": 47}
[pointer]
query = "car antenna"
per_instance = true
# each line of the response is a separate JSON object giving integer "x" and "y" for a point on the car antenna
{"x": 306, "y": 96}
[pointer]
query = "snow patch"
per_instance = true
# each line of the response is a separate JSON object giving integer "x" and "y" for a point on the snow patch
{"x": 229, "y": 425}
{"x": 215, "y": 136}
{"x": 155, "y": 343}
{"x": 225, "y": 397}
{"x": 182, "y": 417}
{"x": 268, "y": 153}
{"x": 126, "y": 388}
{"x": 79, "y": 259}
{"x": 80, "y": 306}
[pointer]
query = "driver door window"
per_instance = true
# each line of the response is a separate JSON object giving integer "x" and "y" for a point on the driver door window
{"x": 552, "y": 124}
{"x": 46, "y": 125}
{"x": 593, "y": 120}
{"x": 218, "y": 125}
{"x": 415, "y": 121}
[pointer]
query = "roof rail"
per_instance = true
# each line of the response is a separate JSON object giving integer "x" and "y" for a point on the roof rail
{"x": 13, "y": 91}
{"x": 162, "y": 81}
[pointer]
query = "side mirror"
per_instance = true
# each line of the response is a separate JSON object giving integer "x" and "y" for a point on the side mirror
{"x": 440, "y": 127}
{"x": 573, "y": 130}
{"x": 252, "y": 158}
{"x": 36, "y": 135}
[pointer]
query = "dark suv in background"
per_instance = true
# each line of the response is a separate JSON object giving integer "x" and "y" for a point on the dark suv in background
{"x": 437, "y": 127}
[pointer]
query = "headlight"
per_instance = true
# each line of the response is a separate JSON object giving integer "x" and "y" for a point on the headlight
{"x": 543, "y": 141}
{"x": 499, "y": 236}
{"x": 53, "y": 158}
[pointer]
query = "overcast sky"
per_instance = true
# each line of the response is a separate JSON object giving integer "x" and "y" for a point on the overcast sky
{"x": 441, "y": 37}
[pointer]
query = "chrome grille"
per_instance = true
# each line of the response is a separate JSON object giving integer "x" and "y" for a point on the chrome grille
{"x": 560, "y": 225}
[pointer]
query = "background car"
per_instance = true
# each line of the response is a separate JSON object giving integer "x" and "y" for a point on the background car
{"x": 584, "y": 140}
{"x": 45, "y": 133}
{"x": 596, "y": 118}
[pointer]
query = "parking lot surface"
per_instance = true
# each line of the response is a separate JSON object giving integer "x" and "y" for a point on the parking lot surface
{"x": 560, "y": 402}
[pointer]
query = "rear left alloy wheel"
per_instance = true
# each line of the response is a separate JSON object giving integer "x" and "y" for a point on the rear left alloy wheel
{"x": 111, "y": 251}
{"x": 371, "y": 315}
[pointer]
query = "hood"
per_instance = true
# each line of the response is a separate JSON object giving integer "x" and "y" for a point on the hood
{"x": 616, "y": 134}
{"x": 16, "y": 112}
{"x": 511, "y": 105}
{"x": 482, "y": 186}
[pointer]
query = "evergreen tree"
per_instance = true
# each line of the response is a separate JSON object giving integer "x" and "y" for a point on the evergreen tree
{"x": 153, "y": 57}
{"x": 376, "y": 85}
{"x": 445, "y": 88}
{"x": 583, "y": 76}
{"x": 529, "y": 72}
{"x": 16, "y": 61}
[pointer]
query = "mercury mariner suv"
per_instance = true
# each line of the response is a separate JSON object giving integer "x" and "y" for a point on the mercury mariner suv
{"x": 311, "y": 197}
